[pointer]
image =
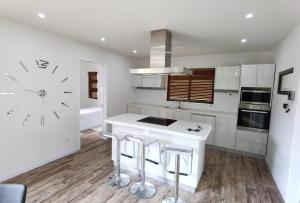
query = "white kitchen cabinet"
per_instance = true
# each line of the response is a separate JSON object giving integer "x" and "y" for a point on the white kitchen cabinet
{"x": 252, "y": 142}
{"x": 149, "y": 81}
{"x": 265, "y": 75}
{"x": 225, "y": 131}
{"x": 227, "y": 78}
{"x": 206, "y": 119}
{"x": 249, "y": 76}
{"x": 259, "y": 75}
{"x": 253, "y": 148}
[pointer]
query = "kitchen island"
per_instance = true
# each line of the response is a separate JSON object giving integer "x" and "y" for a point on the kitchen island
{"x": 182, "y": 133}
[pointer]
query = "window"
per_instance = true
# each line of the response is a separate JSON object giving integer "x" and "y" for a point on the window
{"x": 93, "y": 83}
{"x": 198, "y": 87}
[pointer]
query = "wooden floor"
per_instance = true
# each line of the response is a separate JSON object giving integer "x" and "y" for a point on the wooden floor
{"x": 81, "y": 177}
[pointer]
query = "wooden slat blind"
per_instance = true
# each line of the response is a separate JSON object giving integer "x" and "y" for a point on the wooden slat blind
{"x": 198, "y": 87}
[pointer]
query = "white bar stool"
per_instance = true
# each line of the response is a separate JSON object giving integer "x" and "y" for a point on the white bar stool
{"x": 143, "y": 189}
{"x": 177, "y": 151}
{"x": 118, "y": 179}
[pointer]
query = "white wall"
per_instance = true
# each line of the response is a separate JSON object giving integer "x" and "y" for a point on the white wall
{"x": 222, "y": 101}
{"x": 283, "y": 148}
{"x": 25, "y": 147}
{"x": 85, "y": 101}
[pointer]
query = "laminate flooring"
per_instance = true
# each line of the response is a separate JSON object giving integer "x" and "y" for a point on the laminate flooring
{"x": 81, "y": 177}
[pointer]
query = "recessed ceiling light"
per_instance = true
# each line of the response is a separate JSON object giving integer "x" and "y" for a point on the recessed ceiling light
{"x": 41, "y": 15}
{"x": 249, "y": 15}
{"x": 244, "y": 40}
{"x": 103, "y": 39}
{"x": 134, "y": 51}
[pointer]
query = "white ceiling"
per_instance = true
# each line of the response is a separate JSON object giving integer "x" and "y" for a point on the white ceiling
{"x": 198, "y": 26}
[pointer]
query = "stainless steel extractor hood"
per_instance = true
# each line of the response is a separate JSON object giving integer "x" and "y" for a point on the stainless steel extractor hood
{"x": 160, "y": 56}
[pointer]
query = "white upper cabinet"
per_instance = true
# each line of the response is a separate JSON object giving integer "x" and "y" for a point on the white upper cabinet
{"x": 265, "y": 75}
{"x": 227, "y": 78}
{"x": 149, "y": 81}
{"x": 259, "y": 75}
{"x": 249, "y": 76}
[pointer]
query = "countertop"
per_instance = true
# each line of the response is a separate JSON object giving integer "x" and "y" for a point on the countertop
{"x": 178, "y": 128}
{"x": 189, "y": 110}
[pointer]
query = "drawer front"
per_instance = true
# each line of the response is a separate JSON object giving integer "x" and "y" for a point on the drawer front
{"x": 254, "y": 148}
{"x": 250, "y": 136}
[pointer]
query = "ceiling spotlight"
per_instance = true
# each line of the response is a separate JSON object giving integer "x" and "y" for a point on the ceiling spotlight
{"x": 103, "y": 39}
{"x": 134, "y": 51}
{"x": 244, "y": 40}
{"x": 41, "y": 15}
{"x": 249, "y": 15}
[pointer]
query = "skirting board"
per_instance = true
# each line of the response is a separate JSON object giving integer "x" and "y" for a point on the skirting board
{"x": 34, "y": 166}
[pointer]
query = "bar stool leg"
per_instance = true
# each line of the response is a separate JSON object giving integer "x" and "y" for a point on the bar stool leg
{"x": 176, "y": 183}
{"x": 143, "y": 189}
{"x": 118, "y": 179}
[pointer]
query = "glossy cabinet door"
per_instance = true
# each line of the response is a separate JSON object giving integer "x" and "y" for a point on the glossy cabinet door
{"x": 207, "y": 119}
{"x": 227, "y": 78}
{"x": 249, "y": 76}
{"x": 265, "y": 75}
{"x": 225, "y": 131}
{"x": 149, "y": 81}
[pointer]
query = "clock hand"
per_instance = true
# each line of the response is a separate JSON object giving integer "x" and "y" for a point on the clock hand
{"x": 28, "y": 90}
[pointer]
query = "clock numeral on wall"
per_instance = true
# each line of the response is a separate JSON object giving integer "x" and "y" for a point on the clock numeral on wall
{"x": 23, "y": 66}
{"x": 55, "y": 68}
{"x": 56, "y": 115}
{"x": 10, "y": 77}
{"x": 42, "y": 63}
{"x": 26, "y": 119}
{"x": 12, "y": 110}
{"x": 68, "y": 92}
{"x": 42, "y": 120}
{"x": 66, "y": 105}
{"x": 64, "y": 80}
{"x": 6, "y": 93}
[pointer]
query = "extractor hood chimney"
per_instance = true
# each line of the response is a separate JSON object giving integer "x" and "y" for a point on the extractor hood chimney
{"x": 160, "y": 55}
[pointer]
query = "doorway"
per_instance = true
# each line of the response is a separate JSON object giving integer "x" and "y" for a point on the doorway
{"x": 93, "y": 95}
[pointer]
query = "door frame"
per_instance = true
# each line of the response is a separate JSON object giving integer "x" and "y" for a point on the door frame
{"x": 104, "y": 74}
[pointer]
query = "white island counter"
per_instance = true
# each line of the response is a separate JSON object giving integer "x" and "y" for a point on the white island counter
{"x": 176, "y": 134}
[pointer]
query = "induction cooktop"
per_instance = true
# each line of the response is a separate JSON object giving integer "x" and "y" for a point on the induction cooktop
{"x": 157, "y": 121}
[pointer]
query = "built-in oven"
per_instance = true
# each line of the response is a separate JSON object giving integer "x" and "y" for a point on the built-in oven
{"x": 254, "y": 95}
{"x": 254, "y": 117}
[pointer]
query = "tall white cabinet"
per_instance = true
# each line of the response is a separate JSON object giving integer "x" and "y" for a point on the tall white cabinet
{"x": 258, "y": 75}
{"x": 227, "y": 78}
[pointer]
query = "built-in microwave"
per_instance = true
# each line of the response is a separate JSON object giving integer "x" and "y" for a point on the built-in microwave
{"x": 254, "y": 117}
{"x": 254, "y": 95}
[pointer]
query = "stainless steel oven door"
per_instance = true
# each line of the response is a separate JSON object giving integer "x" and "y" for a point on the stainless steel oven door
{"x": 256, "y": 96}
{"x": 253, "y": 120}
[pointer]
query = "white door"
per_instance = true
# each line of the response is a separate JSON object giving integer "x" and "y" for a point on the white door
{"x": 265, "y": 75}
{"x": 206, "y": 119}
{"x": 249, "y": 76}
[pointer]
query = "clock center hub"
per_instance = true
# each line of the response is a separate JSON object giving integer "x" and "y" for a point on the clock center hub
{"x": 42, "y": 93}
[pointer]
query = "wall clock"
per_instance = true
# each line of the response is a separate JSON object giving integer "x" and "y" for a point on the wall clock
{"x": 43, "y": 93}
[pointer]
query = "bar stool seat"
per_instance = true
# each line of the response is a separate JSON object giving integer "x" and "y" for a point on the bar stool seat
{"x": 118, "y": 179}
{"x": 143, "y": 189}
{"x": 178, "y": 151}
